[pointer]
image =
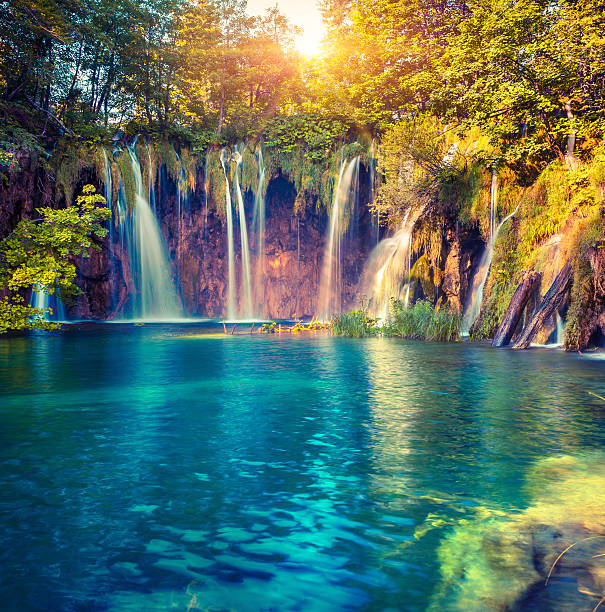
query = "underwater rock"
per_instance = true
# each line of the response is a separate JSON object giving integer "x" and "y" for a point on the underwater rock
{"x": 502, "y": 562}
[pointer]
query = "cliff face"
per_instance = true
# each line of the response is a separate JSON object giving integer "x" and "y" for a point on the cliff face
{"x": 196, "y": 240}
{"x": 294, "y": 251}
{"x": 24, "y": 188}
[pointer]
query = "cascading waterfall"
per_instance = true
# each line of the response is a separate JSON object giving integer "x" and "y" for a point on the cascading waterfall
{"x": 108, "y": 181}
{"x": 382, "y": 277}
{"x": 387, "y": 272}
{"x": 41, "y": 300}
{"x": 560, "y": 333}
{"x": 108, "y": 192}
{"x": 375, "y": 216}
{"x": 246, "y": 305}
{"x": 150, "y": 178}
{"x": 230, "y": 247}
{"x": 258, "y": 226}
{"x": 155, "y": 297}
{"x": 472, "y": 307}
{"x": 330, "y": 287}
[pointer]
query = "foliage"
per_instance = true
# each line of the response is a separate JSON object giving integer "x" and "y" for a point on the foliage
{"x": 586, "y": 299}
{"x": 316, "y": 135}
{"x": 355, "y": 324}
{"x": 401, "y": 148}
{"x": 423, "y": 321}
{"x": 39, "y": 253}
{"x": 14, "y": 139}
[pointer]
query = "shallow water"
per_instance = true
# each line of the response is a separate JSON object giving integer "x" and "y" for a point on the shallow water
{"x": 142, "y": 469}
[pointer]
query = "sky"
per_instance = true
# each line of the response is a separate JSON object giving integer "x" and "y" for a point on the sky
{"x": 303, "y": 13}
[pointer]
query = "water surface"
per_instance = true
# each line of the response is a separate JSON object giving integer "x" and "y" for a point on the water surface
{"x": 142, "y": 469}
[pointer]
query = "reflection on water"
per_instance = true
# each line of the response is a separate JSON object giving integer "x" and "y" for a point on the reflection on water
{"x": 144, "y": 470}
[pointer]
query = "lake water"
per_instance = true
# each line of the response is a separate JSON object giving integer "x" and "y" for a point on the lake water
{"x": 152, "y": 468}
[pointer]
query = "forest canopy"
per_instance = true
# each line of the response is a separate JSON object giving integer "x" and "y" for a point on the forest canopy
{"x": 529, "y": 73}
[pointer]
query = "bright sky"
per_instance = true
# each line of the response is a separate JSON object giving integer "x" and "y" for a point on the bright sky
{"x": 303, "y": 13}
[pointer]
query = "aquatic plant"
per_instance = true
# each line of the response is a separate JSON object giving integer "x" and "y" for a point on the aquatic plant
{"x": 167, "y": 155}
{"x": 249, "y": 171}
{"x": 124, "y": 163}
{"x": 70, "y": 158}
{"x": 423, "y": 321}
{"x": 215, "y": 182}
{"x": 355, "y": 324}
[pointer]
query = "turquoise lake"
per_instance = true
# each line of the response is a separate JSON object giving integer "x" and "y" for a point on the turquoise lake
{"x": 168, "y": 467}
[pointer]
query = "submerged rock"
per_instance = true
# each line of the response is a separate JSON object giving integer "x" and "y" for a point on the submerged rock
{"x": 503, "y": 562}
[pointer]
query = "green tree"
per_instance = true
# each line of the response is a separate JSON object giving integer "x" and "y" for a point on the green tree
{"x": 39, "y": 253}
{"x": 529, "y": 73}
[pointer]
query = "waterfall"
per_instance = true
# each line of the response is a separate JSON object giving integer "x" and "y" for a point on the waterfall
{"x": 472, "y": 307}
{"x": 150, "y": 177}
{"x": 246, "y": 303}
{"x": 375, "y": 216}
{"x": 41, "y": 300}
{"x": 108, "y": 182}
{"x": 382, "y": 277}
{"x": 560, "y": 337}
{"x": 107, "y": 179}
{"x": 258, "y": 226}
{"x": 230, "y": 248}
{"x": 330, "y": 287}
{"x": 390, "y": 262}
{"x": 450, "y": 155}
{"x": 155, "y": 297}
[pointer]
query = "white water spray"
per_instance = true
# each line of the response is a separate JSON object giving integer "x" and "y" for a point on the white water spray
{"x": 330, "y": 287}
{"x": 230, "y": 248}
{"x": 258, "y": 226}
{"x": 472, "y": 307}
{"x": 155, "y": 297}
{"x": 387, "y": 272}
{"x": 246, "y": 306}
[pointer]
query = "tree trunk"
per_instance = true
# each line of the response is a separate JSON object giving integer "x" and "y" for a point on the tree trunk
{"x": 526, "y": 287}
{"x": 570, "y": 158}
{"x": 72, "y": 85}
{"x": 93, "y": 80}
{"x": 552, "y": 301}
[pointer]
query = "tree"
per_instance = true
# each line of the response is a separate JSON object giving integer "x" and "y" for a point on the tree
{"x": 529, "y": 73}
{"x": 39, "y": 253}
{"x": 384, "y": 58}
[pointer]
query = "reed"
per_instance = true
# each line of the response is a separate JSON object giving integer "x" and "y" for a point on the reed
{"x": 423, "y": 321}
{"x": 355, "y": 324}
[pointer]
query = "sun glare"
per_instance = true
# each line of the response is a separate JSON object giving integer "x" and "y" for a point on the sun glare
{"x": 309, "y": 42}
{"x": 304, "y": 14}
